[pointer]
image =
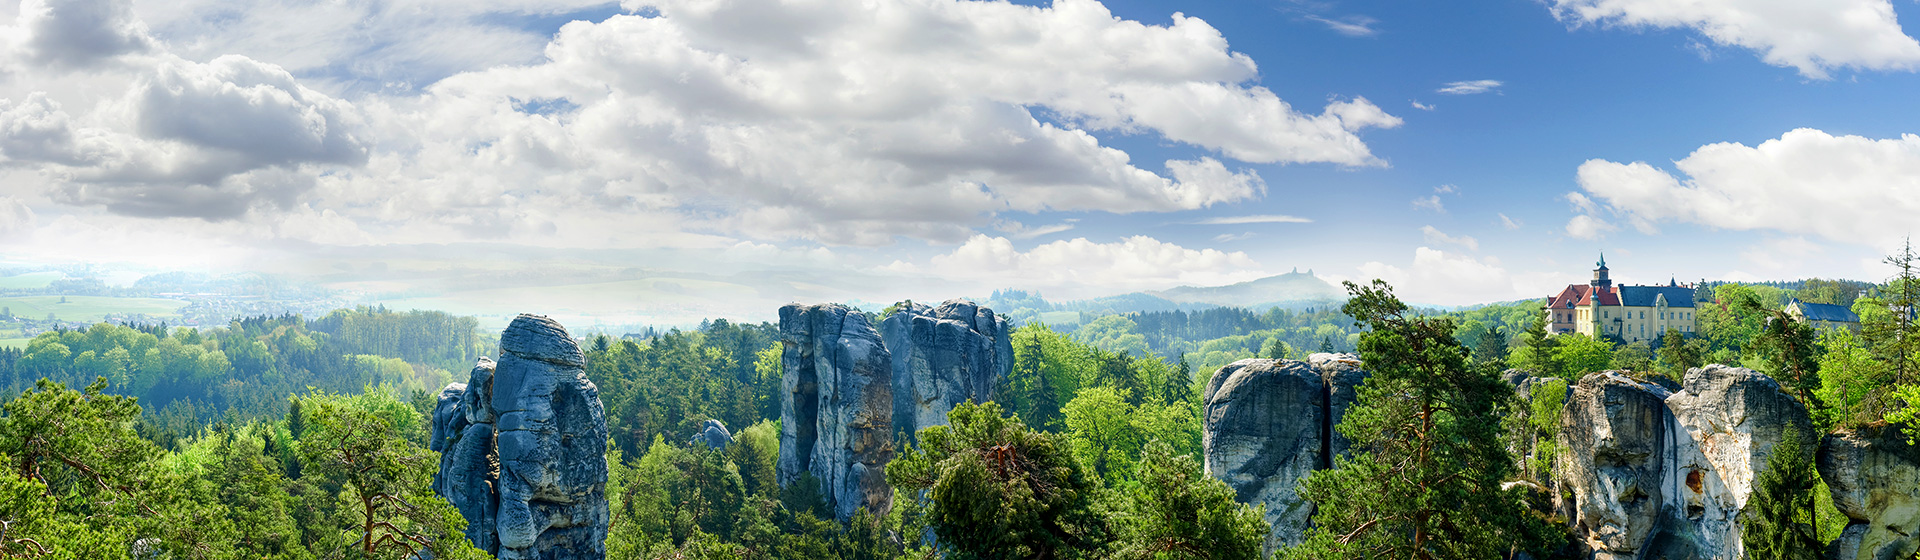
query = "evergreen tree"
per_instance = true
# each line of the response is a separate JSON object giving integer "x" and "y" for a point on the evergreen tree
{"x": 385, "y": 482}
{"x": 1777, "y": 523}
{"x": 996, "y": 489}
{"x": 1679, "y": 354}
{"x": 1428, "y": 458}
{"x": 1790, "y": 347}
{"x": 1177, "y": 512}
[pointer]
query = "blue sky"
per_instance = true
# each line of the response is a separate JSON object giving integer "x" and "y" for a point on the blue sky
{"x": 744, "y": 153}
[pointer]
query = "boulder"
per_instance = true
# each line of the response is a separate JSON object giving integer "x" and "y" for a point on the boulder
{"x": 713, "y": 434}
{"x": 523, "y": 446}
{"x": 1660, "y": 474}
{"x": 1268, "y": 424}
{"x": 836, "y": 410}
{"x": 1875, "y": 478}
{"x": 942, "y": 357}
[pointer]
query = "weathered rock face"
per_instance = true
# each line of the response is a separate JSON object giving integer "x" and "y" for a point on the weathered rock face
{"x": 941, "y": 357}
{"x": 713, "y": 434}
{"x": 524, "y": 448}
{"x": 1875, "y": 478}
{"x": 1269, "y": 423}
{"x": 837, "y": 411}
{"x": 1657, "y": 474}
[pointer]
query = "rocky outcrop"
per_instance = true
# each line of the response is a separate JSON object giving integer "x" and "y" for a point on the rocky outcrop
{"x": 836, "y": 411}
{"x": 1875, "y": 478}
{"x": 1269, "y": 423}
{"x": 1659, "y": 474}
{"x": 713, "y": 434}
{"x": 941, "y": 357}
{"x": 523, "y": 447}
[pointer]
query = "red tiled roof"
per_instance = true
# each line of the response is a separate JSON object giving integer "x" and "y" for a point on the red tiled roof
{"x": 1580, "y": 295}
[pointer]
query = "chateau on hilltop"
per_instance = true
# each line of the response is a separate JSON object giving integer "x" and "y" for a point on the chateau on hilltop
{"x": 1632, "y": 313}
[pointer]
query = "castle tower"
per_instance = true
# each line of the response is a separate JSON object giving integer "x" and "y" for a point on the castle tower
{"x": 1600, "y": 279}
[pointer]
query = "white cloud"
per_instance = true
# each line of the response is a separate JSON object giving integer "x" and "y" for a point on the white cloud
{"x": 1435, "y": 236}
{"x": 1255, "y": 219}
{"x": 1431, "y": 203}
{"x": 1849, "y": 189}
{"x": 1470, "y": 87}
{"x": 15, "y": 218}
{"x": 1079, "y": 268}
{"x": 1022, "y": 231}
{"x": 1585, "y": 226}
{"x": 1421, "y": 106}
{"x": 1441, "y": 278}
{"x": 79, "y": 33}
{"x": 1812, "y": 37}
{"x": 1227, "y": 237}
{"x": 1510, "y": 223}
{"x": 1351, "y": 26}
{"x": 1446, "y": 189}
{"x": 841, "y": 121}
{"x": 363, "y": 45}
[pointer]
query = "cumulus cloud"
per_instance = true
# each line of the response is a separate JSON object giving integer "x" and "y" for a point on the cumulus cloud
{"x": 853, "y": 124}
{"x": 79, "y": 33}
{"x": 1421, "y": 106}
{"x": 1807, "y": 182}
{"x": 1811, "y": 37}
{"x": 1438, "y": 277}
{"x": 703, "y": 122}
{"x": 1081, "y": 268}
{"x": 1470, "y": 87}
{"x": 1586, "y": 226}
{"x": 16, "y": 219}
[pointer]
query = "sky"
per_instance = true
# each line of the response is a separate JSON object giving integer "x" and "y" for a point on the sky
{"x": 660, "y": 161}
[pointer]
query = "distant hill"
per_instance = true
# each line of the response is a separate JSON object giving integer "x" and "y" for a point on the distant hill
{"x": 1290, "y": 288}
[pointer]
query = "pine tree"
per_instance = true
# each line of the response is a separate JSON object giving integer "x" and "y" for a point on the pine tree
{"x": 1777, "y": 523}
{"x": 1429, "y": 454}
{"x": 1788, "y": 344}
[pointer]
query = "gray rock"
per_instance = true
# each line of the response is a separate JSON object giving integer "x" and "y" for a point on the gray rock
{"x": 1342, "y": 375}
{"x": 528, "y": 470}
{"x": 942, "y": 357}
{"x": 1659, "y": 474}
{"x": 837, "y": 408}
{"x": 1268, "y": 424}
{"x": 1613, "y": 438}
{"x": 713, "y": 434}
{"x": 1875, "y": 478}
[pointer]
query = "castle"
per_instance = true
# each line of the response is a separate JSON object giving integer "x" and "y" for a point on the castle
{"x": 1632, "y": 313}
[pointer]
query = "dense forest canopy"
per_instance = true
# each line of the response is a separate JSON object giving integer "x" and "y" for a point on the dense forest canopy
{"x": 227, "y": 442}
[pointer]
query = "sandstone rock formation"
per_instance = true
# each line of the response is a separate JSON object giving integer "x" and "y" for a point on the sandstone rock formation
{"x": 1875, "y": 478}
{"x": 1269, "y": 423}
{"x": 941, "y": 357}
{"x": 713, "y": 434}
{"x": 524, "y": 448}
{"x": 837, "y": 408}
{"x": 1654, "y": 473}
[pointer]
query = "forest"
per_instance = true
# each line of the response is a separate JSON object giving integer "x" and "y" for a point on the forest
{"x": 254, "y": 440}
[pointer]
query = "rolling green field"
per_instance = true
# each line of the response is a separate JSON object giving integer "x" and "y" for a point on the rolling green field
{"x": 29, "y": 281}
{"x": 89, "y": 308}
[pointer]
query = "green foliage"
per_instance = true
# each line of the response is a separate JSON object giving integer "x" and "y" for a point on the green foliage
{"x": 1789, "y": 348}
{"x": 1106, "y": 433}
{"x": 1425, "y": 479}
{"x": 671, "y": 384}
{"x": 996, "y": 489}
{"x": 383, "y": 481}
{"x": 1634, "y": 356}
{"x": 1566, "y": 356}
{"x": 1112, "y": 333}
{"x": 1178, "y": 512}
{"x": 1678, "y": 353}
{"x": 1778, "y": 522}
{"x": 190, "y": 378}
